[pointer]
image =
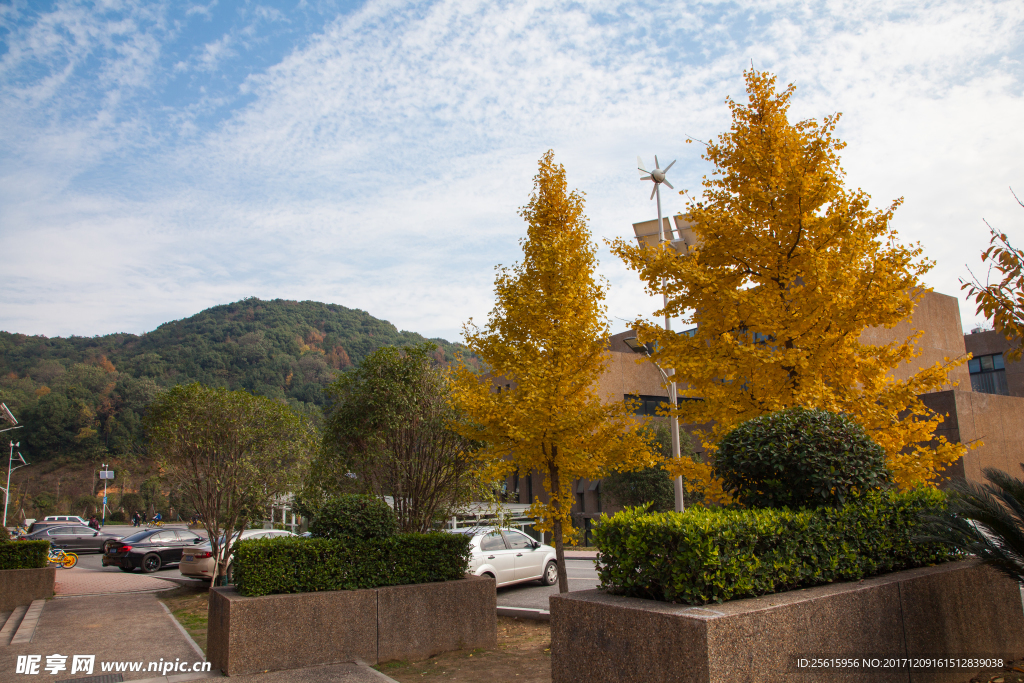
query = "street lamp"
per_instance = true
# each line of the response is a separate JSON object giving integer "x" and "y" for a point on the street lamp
{"x": 106, "y": 475}
{"x": 664, "y": 234}
{"x": 5, "y": 415}
{"x": 634, "y": 344}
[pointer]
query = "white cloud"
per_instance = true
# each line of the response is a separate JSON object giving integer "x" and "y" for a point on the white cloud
{"x": 380, "y": 164}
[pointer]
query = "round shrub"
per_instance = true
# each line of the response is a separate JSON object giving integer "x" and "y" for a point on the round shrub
{"x": 799, "y": 458}
{"x": 354, "y": 516}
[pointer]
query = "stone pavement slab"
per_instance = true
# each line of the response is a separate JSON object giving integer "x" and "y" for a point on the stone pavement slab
{"x": 82, "y": 581}
{"x": 115, "y": 628}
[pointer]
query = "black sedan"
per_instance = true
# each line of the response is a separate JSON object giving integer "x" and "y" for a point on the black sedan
{"x": 150, "y": 550}
{"x": 74, "y": 537}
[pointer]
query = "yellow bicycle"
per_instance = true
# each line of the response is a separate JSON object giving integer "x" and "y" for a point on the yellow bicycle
{"x": 155, "y": 523}
{"x": 62, "y": 558}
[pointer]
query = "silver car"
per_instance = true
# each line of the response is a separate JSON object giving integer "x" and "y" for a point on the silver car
{"x": 197, "y": 562}
{"x": 510, "y": 556}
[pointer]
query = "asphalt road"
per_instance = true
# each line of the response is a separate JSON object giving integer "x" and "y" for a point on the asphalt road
{"x": 92, "y": 561}
{"x": 582, "y": 576}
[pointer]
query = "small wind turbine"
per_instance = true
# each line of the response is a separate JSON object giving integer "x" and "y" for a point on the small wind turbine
{"x": 658, "y": 176}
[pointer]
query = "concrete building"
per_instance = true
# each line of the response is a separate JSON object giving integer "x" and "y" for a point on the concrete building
{"x": 982, "y": 403}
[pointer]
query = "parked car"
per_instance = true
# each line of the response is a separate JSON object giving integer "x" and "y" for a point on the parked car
{"x": 150, "y": 550}
{"x": 74, "y": 519}
{"x": 76, "y": 537}
{"x": 197, "y": 562}
{"x": 510, "y": 556}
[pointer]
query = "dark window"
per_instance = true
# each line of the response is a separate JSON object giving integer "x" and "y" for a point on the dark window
{"x": 988, "y": 374}
{"x": 650, "y": 405}
{"x": 492, "y": 541}
{"x": 518, "y": 541}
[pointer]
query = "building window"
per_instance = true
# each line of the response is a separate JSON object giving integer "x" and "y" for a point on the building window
{"x": 988, "y": 374}
{"x": 649, "y": 405}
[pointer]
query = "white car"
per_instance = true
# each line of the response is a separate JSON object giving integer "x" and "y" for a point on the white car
{"x": 197, "y": 562}
{"x": 510, "y": 556}
{"x": 66, "y": 518}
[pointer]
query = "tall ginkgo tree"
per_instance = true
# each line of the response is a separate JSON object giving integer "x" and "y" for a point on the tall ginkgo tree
{"x": 548, "y": 333}
{"x": 789, "y": 269}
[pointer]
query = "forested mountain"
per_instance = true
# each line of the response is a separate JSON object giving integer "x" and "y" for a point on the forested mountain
{"x": 84, "y": 397}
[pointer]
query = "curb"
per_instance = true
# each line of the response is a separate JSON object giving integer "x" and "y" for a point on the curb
{"x": 524, "y": 613}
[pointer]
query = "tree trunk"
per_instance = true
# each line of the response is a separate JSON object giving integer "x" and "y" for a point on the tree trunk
{"x": 556, "y": 529}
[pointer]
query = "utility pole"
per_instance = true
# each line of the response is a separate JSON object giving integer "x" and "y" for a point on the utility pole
{"x": 105, "y": 475}
{"x": 664, "y": 236}
{"x": 5, "y": 415}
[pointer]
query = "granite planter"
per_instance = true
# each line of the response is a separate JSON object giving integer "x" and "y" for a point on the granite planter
{"x": 298, "y": 630}
{"x": 956, "y": 610}
{"x": 22, "y": 586}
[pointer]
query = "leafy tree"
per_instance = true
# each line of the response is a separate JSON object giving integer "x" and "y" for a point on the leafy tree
{"x": 150, "y": 493}
{"x": 651, "y": 486}
{"x": 44, "y": 502}
{"x": 390, "y": 425}
{"x": 132, "y": 503}
{"x": 85, "y": 505}
{"x": 548, "y": 333}
{"x": 227, "y": 452}
{"x": 789, "y": 270}
{"x": 1002, "y": 301}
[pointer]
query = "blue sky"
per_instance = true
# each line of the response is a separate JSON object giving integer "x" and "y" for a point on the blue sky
{"x": 160, "y": 158}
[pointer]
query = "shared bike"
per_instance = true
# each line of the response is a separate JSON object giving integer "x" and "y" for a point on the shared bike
{"x": 62, "y": 558}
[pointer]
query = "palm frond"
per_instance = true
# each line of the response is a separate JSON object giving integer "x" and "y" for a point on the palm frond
{"x": 984, "y": 521}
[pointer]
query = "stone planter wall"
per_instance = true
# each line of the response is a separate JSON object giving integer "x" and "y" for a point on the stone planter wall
{"x": 298, "y": 630}
{"x": 961, "y": 609}
{"x": 22, "y": 586}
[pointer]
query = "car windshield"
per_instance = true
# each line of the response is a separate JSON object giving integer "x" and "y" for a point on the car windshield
{"x": 137, "y": 537}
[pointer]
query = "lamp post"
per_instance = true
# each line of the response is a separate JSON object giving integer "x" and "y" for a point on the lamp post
{"x": 658, "y": 176}
{"x": 5, "y": 414}
{"x": 634, "y": 344}
{"x": 105, "y": 475}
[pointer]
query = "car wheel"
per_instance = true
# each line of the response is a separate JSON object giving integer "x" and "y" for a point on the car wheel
{"x": 151, "y": 563}
{"x": 550, "y": 574}
{"x": 127, "y": 569}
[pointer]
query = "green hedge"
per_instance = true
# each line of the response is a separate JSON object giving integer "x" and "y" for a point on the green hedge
{"x": 711, "y": 555}
{"x": 305, "y": 565}
{"x": 23, "y": 554}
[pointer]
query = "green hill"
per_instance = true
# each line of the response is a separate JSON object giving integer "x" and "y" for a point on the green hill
{"x": 83, "y": 397}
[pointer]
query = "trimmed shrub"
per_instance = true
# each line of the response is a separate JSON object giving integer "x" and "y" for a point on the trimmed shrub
{"x": 799, "y": 458}
{"x": 354, "y": 516}
{"x": 23, "y": 554}
{"x": 712, "y": 555}
{"x": 305, "y": 565}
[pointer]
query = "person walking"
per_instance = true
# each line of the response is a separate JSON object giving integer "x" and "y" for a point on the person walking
{"x": 94, "y": 523}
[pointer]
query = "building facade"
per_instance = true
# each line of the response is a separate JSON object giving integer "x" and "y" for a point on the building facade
{"x": 982, "y": 405}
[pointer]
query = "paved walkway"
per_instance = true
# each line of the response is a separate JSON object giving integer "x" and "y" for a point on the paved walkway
{"x": 128, "y": 629}
{"x": 82, "y": 581}
{"x": 123, "y": 628}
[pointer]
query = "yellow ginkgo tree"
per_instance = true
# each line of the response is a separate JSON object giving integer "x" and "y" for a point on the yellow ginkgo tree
{"x": 789, "y": 269}
{"x": 548, "y": 334}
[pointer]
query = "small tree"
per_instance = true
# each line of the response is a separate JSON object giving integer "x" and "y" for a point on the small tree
{"x": 1002, "y": 301}
{"x": 390, "y": 426}
{"x": 651, "y": 486}
{"x": 548, "y": 333}
{"x": 228, "y": 453}
{"x": 790, "y": 268}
